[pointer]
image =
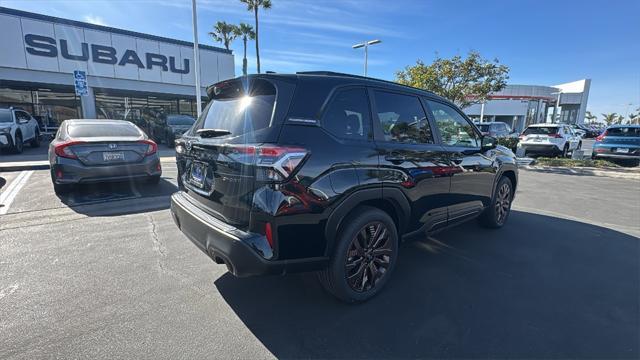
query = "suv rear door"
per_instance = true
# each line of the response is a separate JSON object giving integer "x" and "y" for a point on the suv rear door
{"x": 410, "y": 158}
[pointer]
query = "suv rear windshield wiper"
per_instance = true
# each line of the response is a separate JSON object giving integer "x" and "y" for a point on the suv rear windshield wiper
{"x": 211, "y": 133}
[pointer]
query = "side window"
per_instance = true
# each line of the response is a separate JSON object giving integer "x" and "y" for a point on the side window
{"x": 454, "y": 129}
{"x": 347, "y": 116}
{"x": 22, "y": 116}
{"x": 402, "y": 118}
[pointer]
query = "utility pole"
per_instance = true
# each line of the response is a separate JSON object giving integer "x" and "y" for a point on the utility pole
{"x": 365, "y": 45}
{"x": 196, "y": 56}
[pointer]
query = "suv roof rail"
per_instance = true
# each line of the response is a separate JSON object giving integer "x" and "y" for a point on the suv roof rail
{"x": 334, "y": 73}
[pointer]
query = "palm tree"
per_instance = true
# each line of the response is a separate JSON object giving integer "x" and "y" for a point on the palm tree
{"x": 246, "y": 32}
{"x": 589, "y": 116}
{"x": 224, "y": 33}
{"x": 254, "y": 5}
{"x": 610, "y": 118}
{"x": 620, "y": 120}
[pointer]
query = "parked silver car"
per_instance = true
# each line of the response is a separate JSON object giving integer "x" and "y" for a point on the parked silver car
{"x": 89, "y": 151}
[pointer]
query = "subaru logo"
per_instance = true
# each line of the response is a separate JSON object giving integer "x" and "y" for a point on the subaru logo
{"x": 113, "y": 146}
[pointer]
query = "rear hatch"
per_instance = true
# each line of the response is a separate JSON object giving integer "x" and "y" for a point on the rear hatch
{"x": 219, "y": 161}
{"x": 540, "y": 134}
{"x": 623, "y": 140}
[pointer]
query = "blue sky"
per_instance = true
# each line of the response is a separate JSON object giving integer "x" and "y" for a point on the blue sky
{"x": 544, "y": 42}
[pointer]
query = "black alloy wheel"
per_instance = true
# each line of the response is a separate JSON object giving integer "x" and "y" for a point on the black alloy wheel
{"x": 19, "y": 145}
{"x": 368, "y": 257}
{"x": 503, "y": 202}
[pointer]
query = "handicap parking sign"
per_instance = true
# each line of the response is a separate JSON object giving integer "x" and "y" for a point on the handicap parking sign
{"x": 80, "y": 82}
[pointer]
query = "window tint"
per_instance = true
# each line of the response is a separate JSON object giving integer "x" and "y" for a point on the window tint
{"x": 21, "y": 115}
{"x": 402, "y": 118}
{"x": 454, "y": 129}
{"x": 541, "y": 130}
{"x": 5, "y": 117}
{"x": 624, "y": 131}
{"x": 98, "y": 130}
{"x": 347, "y": 116}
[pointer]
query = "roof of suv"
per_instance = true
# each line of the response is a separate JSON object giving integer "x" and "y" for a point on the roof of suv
{"x": 346, "y": 79}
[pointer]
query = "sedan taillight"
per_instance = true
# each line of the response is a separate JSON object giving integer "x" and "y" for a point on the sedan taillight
{"x": 64, "y": 150}
{"x": 152, "y": 147}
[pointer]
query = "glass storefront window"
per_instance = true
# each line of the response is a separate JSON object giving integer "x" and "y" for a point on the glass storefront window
{"x": 49, "y": 106}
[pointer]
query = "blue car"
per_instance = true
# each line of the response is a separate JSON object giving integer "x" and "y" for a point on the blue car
{"x": 619, "y": 142}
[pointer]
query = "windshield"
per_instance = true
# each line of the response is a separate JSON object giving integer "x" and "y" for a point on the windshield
{"x": 5, "y": 117}
{"x": 541, "y": 130}
{"x": 102, "y": 130}
{"x": 234, "y": 110}
{"x": 484, "y": 127}
{"x": 180, "y": 120}
{"x": 624, "y": 131}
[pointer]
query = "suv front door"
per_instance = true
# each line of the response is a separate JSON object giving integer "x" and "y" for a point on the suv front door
{"x": 472, "y": 182}
{"x": 23, "y": 120}
{"x": 410, "y": 158}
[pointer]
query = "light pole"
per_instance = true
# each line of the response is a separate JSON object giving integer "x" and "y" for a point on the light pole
{"x": 366, "y": 51}
{"x": 196, "y": 56}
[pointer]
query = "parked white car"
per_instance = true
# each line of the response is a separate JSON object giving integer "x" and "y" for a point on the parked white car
{"x": 549, "y": 139}
{"x": 16, "y": 128}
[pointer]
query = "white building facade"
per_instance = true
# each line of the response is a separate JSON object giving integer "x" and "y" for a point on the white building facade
{"x": 129, "y": 75}
{"x": 522, "y": 105}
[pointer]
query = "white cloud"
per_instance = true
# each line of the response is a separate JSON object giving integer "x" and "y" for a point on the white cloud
{"x": 96, "y": 20}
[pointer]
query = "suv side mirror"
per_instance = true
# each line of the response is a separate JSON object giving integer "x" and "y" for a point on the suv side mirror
{"x": 488, "y": 143}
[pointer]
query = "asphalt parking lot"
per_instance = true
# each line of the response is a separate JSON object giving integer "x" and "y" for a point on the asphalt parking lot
{"x": 104, "y": 273}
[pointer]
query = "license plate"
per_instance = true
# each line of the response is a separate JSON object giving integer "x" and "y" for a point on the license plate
{"x": 622, "y": 150}
{"x": 537, "y": 139}
{"x": 113, "y": 156}
{"x": 197, "y": 174}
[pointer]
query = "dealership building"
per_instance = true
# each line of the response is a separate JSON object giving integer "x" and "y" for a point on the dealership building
{"x": 522, "y": 105}
{"x": 129, "y": 75}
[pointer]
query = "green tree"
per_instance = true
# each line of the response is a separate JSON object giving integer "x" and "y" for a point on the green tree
{"x": 463, "y": 81}
{"x": 255, "y": 5}
{"x": 245, "y": 31}
{"x": 620, "y": 120}
{"x": 610, "y": 118}
{"x": 223, "y": 33}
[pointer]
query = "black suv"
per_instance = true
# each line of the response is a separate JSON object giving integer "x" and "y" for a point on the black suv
{"x": 328, "y": 172}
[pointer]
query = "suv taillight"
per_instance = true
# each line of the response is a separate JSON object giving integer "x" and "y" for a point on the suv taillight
{"x": 601, "y": 136}
{"x": 63, "y": 149}
{"x": 152, "y": 147}
{"x": 276, "y": 163}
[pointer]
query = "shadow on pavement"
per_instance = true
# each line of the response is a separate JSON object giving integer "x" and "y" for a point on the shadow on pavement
{"x": 118, "y": 198}
{"x": 540, "y": 287}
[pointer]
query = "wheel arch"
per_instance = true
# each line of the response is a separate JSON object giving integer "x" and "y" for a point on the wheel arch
{"x": 391, "y": 201}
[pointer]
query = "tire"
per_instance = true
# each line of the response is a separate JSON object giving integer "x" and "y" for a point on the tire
{"x": 579, "y": 146}
{"x": 497, "y": 214}
{"x": 154, "y": 180}
{"x": 35, "y": 142}
{"x": 61, "y": 189}
{"x": 565, "y": 151}
{"x": 355, "y": 238}
{"x": 18, "y": 145}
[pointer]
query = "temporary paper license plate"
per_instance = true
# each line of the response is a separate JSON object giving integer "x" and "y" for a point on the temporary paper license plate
{"x": 622, "y": 150}
{"x": 113, "y": 156}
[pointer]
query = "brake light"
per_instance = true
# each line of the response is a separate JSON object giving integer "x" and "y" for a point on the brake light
{"x": 152, "y": 147}
{"x": 64, "y": 150}
{"x": 268, "y": 233}
{"x": 601, "y": 136}
{"x": 276, "y": 162}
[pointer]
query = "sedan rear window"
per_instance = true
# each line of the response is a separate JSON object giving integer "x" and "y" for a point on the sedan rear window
{"x": 624, "y": 131}
{"x": 237, "y": 110}
{"x": 541, "y": 130}
{"x": 100, "y": 130}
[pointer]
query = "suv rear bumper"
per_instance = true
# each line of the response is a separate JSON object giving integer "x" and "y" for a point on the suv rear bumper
{"x": 241, "y": 251}
{"x": 551, "y": 149}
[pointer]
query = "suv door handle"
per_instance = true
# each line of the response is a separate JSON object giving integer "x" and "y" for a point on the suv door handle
{"x": 394, "y": 158}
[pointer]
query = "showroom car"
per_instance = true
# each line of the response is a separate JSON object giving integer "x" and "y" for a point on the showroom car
{"x": 18, "y": 127}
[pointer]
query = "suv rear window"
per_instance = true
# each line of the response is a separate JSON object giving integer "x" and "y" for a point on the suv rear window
{"x": 237, "y": 110}
{"x": 541, "y": 130}
{"x": 5, "y": 117}
{"x": 624, "y": 131}
{"x": 99, "y": 130}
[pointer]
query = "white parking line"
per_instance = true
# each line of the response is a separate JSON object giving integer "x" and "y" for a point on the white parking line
{"x": 6, "y": 198}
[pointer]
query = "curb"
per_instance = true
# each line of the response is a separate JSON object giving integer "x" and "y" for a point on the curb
{"x": 44, "y": 165}
{"x": 631, "y": 173}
